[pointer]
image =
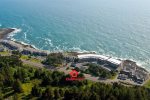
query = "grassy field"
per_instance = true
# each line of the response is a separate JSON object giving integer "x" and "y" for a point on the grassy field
{"x": 4, "y": 53}
{"x": 147, "y": 84}
{"x": 27, "y": 87}
{"x": 113, "y": 77}
{"x": 25, "y": 57}
{"x": 32, "y": 59}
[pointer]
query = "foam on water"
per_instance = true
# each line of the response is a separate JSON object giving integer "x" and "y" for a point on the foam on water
{"x": 16, "y": 30}
{"x": 49, "y": 41}
{"x": 109, "y": 28}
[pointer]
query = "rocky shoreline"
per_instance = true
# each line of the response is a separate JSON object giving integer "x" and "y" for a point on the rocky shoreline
{"x": 4, "y": 32}
{"x": 15, "y": 45}
{"x": 26, "y": 49}
{"x": 127, "y": 70}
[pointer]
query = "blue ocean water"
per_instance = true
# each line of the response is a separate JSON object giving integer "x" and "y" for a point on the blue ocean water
{"x": 119, "y": 28}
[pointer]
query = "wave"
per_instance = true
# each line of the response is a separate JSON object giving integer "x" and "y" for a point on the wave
{"x": 16, "y": 30}
{"x": 49, "y": 41}
{"x": 25, "y": 35}
{"x": 26, "y": 44}
{"x": 140, "y": 63}
{"x": 75, "y": 49}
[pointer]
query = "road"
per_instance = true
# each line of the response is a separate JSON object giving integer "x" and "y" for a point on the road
{"x": 87, "y": 76}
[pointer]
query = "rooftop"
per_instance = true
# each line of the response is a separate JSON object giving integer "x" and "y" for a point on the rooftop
{"x": 92, "y": 56}
{"x": 112, "y": 60}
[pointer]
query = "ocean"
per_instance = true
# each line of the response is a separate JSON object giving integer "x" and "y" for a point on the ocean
{"x": 118, "y": 28}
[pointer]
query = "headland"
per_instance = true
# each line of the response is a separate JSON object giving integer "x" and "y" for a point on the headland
{"x": 128, "y": 71}
{"x": 4, "y": 32}
{"x": 15, "y": 45}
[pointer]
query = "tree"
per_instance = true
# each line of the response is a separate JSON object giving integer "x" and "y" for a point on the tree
{"x": 81, "y": 75}
{"x": 94, "y": 96}
{"x": 17, "y": 86}
{"x": 54, "y": 59}
{"x": 21, "y": 74}
{"x": 56, "y": 94}
{"x": 36, "y": 91}
{"x": 15, "y": 97}
{"x": 7, "y": 73}
{"x": 37, "y": 73}
{"x": 1, "y": 95}
{"x": 1, "y": 80}
{"x": 61, "y": 92}
{"x": 77, "y": 69}
{"x": 47, "y": 80}
{"x": 48, "y": 94}
{"x": 76, "y": 60}
{"x": 17, "y": 53}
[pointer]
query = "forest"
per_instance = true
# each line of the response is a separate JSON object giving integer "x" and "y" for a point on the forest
{"x": 97, "y": 70}
{"x": 19, "y": 81}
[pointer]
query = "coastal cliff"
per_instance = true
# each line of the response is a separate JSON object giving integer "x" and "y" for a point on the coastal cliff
{"x": 14, "y": 45}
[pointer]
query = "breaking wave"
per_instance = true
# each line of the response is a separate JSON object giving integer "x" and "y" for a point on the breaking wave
{"x": 16, "y": 30}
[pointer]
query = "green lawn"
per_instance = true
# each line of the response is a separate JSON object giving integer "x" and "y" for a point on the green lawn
{"x": 25, "y": 57}
{"x": 113, "y": 77}
{"x": 147, "y": 84}
{"x": 4, "y": 53}
{"x": 27, "y": 87}
{"x": 32, "y": 59}
{"x": 35, "y": 60}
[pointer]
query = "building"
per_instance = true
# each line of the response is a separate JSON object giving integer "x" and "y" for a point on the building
{"x": 1, "y": 49}
{"x": 133, "y": 71}
{"x": 108, "y": 62}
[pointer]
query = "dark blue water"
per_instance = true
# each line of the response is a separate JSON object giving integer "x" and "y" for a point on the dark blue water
{"x": 120, "y": 28}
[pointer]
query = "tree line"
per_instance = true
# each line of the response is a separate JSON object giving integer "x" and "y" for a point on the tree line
{"x": 53, "y": 85}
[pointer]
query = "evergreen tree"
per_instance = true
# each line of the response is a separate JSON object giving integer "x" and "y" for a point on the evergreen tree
{"x": 36, "y": 91}
{"x": 94, "y": 96}
{"x": 48, "y": 94}
{"x": 15, "y": 97}
{"x": 17, "y": 86}
{"x": 1, "y": 95}
{"x": 56, "y": 94}
{"x": 61, "y": 92}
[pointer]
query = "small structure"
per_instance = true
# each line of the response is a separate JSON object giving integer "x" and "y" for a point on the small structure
{"x": 83, "y": 68}
{"x": 73, "y": 64}
{"x": 133, "y": 71}
{"x": 1, "y": 49}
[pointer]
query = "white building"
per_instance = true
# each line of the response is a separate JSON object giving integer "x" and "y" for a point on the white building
{"x": 109, "y": 61}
